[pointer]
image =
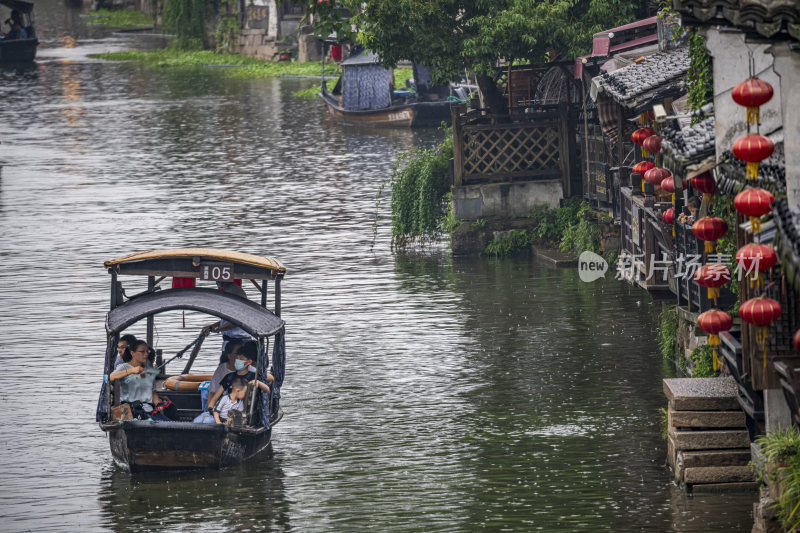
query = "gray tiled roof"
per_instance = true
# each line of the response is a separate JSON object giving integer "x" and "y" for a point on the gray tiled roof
{"x": 639, "y": 85}
{"x": 689, "y": 145}
{"x": 776, "y": 19}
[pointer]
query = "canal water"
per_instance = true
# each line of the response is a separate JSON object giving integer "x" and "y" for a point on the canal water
{"x": 423, "y": 392}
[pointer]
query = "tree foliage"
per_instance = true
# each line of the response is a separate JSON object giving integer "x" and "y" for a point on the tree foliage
{"x": 186, "y": 19}
{"x": 453, "y": 34}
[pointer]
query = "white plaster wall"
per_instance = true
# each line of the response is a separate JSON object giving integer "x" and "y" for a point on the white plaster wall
{"x": 505, "y": 199}
{"x": 731, "y": 67}
{"x": 787, "y": 67}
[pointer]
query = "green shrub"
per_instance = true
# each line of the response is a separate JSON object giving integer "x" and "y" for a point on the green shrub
{"x": 510, "y": 244}
{"x": 449, "y": 221}
{"x": 186, "y": 19}
{"x": 781, "y": 448}
{"x": 120, "y": 18}
{"x": 703, "y": 358}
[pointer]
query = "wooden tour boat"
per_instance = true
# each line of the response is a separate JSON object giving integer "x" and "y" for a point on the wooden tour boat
{"x": 141, "y": 445}
{"x": 363, "y": 95}
{"x": 14, "y": 51}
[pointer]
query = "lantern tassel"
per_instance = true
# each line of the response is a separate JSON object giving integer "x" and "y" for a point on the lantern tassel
{"x": 713, "y": 293}
{"x": 709, "y": 247}
{"x": 713, "y": 340}
{"x": 755, "y": 224}
{"x": 708, "y": 198}
{"x": 753, "y": 115}
{"x": 752, "y": 169}
{"x": 645, "y": 153}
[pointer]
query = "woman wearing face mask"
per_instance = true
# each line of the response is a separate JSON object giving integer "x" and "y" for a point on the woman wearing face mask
{"x": 137, "y": 377}
{"x": 242, "y": 363}
{"x": 226, "y": 365}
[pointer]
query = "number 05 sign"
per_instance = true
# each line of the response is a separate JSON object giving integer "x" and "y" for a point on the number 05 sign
{"x": 217, "y": 271}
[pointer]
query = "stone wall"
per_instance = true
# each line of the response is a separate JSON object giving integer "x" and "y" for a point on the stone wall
{"x": 506, "y": 200}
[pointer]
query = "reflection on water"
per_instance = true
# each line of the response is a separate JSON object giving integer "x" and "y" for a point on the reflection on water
{"x": 423, "y": 392}
{"x": 248, "y": 497}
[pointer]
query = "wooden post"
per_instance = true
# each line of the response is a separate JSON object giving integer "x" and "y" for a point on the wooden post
{"x": 278, "y": 297}
{"x": 151, "y": 284}
{"x": 620, "y": 141}
{"x": 563, "y": 149}
{"x": 264, "y": 287}
{"x": 113, "y": 288}
{"x": 458, "y": 149}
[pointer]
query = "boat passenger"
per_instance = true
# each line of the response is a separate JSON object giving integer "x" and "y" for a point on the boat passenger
{"x": 17, "y": 29}
{"x": 243, "y": 362}
{"x": 137, "y": 376}
{"x": 226, "y": 364}
{"x": 122, "y": 345}
{"x": 229, "y": 330}
{"x": 233, "y": 401}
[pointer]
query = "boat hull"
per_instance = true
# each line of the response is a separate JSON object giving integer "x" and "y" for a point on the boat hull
{"x": 415, "y": 115}
{"x": 18, "y": 50}
{"x": 148, "y": 445}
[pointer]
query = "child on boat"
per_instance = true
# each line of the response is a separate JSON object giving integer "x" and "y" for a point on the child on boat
{"x": 243, "y": 361}
{"x": 233, "y": 401}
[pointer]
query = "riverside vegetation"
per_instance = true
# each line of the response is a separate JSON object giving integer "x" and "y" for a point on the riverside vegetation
{"x": 120, "y": 18}
{"x": 781, "y": 449}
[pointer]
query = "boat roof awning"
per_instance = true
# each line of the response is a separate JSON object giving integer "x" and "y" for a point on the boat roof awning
{"x": 19, "y": 5}
{"x": 251, "y": 317}
{"x": 187, "y": 262}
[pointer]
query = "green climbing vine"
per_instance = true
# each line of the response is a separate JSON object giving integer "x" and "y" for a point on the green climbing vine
{"x": 668, "y": 332}
{"x": 700, "y": 77}
{"x": 703, "y": 359}
{"x": 226, "y": 34}
{"x": 420, "y": 183}
{"x": 186, "y": 19}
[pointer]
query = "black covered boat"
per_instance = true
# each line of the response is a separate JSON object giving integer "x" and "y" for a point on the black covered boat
{"x": 20, "y": 50}
{"x": 182, "y": 444}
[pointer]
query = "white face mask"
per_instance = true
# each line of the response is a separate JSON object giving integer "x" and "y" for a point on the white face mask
{"x": 238, "y": 364}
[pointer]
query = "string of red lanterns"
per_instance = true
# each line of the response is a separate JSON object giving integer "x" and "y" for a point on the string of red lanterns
{"x": 761, "y": 312}
{"x": 714, "y": 322}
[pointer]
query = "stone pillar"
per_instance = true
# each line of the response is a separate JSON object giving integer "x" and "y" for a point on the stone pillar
{"x": 787, "y": 67}
{"x": 729, "y": 49}
{"x": 274, "y": 26}
{"x": 776, "y": 411}
{"x": 309, "y": 48}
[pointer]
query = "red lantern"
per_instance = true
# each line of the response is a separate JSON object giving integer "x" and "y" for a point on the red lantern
{"x": 713, "y": 322}
{"x": 756, "y": 258}
{"x": 652, "y": 144}
{"x": 669, "y": 216}
{"x": 753, "y": 148}
{"x": 752, "y": 93}
{"x": 668, "y": 184}
{"x": 642, "y": 167}
{"x": 709, "y": 229}
{"x": 336, "y": 52}
{"x": 761, "y": 312}
{"x": 656, "y": 175}
{"x": 705, "y": 184}
{"x": 797, "y": 341}
{"x": 712, "y": 277}
{"x": 638, "y": 137}
{"x": 754, "y": 203}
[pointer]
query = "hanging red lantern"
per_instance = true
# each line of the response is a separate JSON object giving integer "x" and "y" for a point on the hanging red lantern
{"x": 638, "y": 137}
{"x": 754, "y": 203}
{"x": 642, "y": 167}
{"x": 712, "y": 276}
{"x": 647, "y": 116}
{"x": 756, "y": 258}
{"x": 668, "y": 184}
{"x": 713, "y": 322}
{"x": 705, "y": 184}
{"x": 753, "y": 148}
{"x": 709, "y": 229}
{"x": 797, "y": 341}
{"x": 652, "y": 144}
{"x": 669, "y": 216}
{"x": 752, "y": 93}
{"x": 656, "y": 175}
{"x": 761, "y": 312}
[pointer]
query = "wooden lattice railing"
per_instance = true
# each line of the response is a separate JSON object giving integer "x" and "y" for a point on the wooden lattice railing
{"x": 531, "y": 149}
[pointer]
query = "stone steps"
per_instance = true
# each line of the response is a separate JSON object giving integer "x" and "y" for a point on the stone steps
{"x": 708, "y": 445}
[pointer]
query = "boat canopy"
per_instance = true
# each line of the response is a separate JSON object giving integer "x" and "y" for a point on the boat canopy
{"x": 188, "y": 262}
{"x": 365, "y": 83}
{"x": 251, "y": 317}
{"x": 19, "y": 5}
